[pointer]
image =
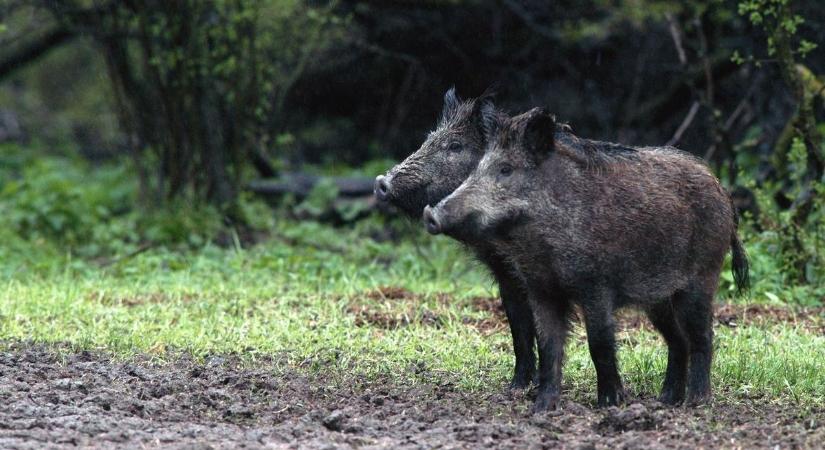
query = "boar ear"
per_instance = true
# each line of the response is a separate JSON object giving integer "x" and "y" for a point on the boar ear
{"x": 486, "y": 116}
{"x": 539, "y": 128}
{"x": 451, "y": 103}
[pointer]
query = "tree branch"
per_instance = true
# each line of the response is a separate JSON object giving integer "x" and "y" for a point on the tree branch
{"x": 694, "y": 108}
{"x": 676, "y": 34}
{"x": 30, "y": 52}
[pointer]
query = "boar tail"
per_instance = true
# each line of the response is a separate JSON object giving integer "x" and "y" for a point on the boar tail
{"x": 739, "y": 266}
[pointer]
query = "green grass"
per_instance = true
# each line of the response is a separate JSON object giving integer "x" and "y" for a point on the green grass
{"x": 292, "y": 297}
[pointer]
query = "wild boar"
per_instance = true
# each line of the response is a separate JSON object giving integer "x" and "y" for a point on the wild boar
{"x": 444, "y": 160}
{"x": 601, "y": 226}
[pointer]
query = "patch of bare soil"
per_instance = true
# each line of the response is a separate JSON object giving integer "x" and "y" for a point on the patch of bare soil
{"x": 405, "y": 301}
{"x": 89, "y": 400}
{"x": 390, "y": 293}
{"x": 391, "y": 307}
{"x": 736, "y": 315}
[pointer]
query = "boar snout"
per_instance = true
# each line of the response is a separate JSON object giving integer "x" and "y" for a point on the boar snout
{"x": 381, "y": 189}
{"x": 431, "y": 220}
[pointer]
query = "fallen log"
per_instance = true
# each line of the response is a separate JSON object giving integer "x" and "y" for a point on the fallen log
{"x": 301, "y": 184}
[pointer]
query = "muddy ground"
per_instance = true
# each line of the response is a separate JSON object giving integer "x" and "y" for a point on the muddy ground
{"x": 54, "y": 399}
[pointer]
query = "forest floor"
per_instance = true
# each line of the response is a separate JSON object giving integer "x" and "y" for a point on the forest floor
{"x": 326, "y": 337}
{"x": 62, "y": 399}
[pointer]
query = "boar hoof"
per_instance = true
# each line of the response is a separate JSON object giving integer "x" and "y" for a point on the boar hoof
{"x": 697, "y": 399}
{"x": 518, "y": 385}
{"x": 613, "y": 397}
{"x": 670, "y": 397}
{"x": 520, "y": 382}
{"x": 546, "y": 401}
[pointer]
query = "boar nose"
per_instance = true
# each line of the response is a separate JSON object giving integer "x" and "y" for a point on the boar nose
{"x": 431, "y": 220}
{"x": 382, "y": 188}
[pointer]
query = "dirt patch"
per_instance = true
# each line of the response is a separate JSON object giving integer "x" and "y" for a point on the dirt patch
{"x": 490, "y": 305}
{"x": 391, "y": 319}
{"x": 494, "y": 320}
{"x": 737, "y": 315}
{"x": 726, "y": 315}
{"x": 732, "y": 316}
{"x": 389, "y": 307}
{"x": 390, "y": 293}
{"x": 88, "y": 400}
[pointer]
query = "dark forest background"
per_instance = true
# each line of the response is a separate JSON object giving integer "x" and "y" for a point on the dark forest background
{"x": 137, "y": 107}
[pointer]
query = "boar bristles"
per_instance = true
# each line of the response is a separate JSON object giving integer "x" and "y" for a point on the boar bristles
{"x": 452, "y": 102}
{"x": 490, "y": 117}
{"x": 480, "y": 112}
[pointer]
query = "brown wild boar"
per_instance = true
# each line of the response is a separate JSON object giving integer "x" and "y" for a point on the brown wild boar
{"x": 444, "y": 160}
{"x": 602, "y": 226}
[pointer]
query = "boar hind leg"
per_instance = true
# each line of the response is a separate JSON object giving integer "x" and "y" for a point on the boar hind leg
{"x": 601, "y": 339}
{"x": 551, "y": 322}
{"x": 663, "y": 318}
{"x": 523, "y": 330}
{"x": 694, "y": 311}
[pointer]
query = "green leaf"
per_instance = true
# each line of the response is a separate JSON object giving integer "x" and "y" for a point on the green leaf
{"x": 772, "y": 297}
{"x": 806, "y": 47}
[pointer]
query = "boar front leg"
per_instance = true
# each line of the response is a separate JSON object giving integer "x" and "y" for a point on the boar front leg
{"x": 597, "y": 307}
{"x": 520, "y": 318}
{"x": 550, "y": 318}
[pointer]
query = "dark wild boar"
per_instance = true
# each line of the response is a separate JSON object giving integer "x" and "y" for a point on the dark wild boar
{"x": 601, "y": 226}
{"x": 445, "y": 159}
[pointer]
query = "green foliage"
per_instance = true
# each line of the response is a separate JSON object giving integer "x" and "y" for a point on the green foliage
{"x": 323, "y": 203}
{"x": 255, "y": 214}
{"x": 199, "y": 84}
{"x": 787, "y": 264}
{"x": 319, "y": 199}
{"x": 180, "y": 223}
{"x": 786, "y": 260}
{"x": 61, "y": 205}
{"x": 776, "y": 18}
{"x": 793, "y": 237}
{"x": 53, "y": 199}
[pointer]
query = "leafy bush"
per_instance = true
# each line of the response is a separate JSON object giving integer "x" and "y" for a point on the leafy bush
{"x": 67, "y": 206}
{"x": 53, "y": 198}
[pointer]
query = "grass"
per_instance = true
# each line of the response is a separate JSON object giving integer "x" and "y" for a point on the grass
{"x": 297, "y": 296}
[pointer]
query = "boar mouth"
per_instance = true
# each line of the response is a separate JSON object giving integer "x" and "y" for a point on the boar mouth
{"x": 464, "y": 228}
{"x": 410, "y": 201}
{"x": 474, "y": 228}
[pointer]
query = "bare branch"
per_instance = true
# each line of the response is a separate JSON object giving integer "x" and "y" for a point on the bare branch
{"x": 676, "y": 34}
{"x": 694, "y": 108}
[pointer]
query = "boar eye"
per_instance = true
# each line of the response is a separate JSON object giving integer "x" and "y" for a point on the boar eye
{"x": 505, "y": 170}
{"x": 454, "y": 146}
